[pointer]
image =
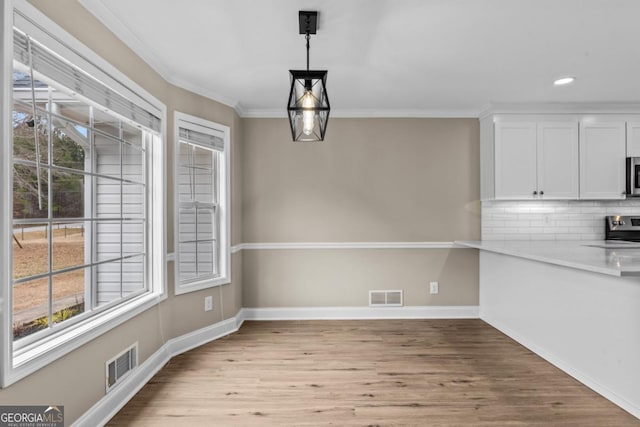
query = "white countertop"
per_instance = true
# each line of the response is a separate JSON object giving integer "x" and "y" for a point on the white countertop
{"x": 574, "y": 254}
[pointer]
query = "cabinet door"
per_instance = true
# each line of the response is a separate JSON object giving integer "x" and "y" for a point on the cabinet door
{"x": 602, "y": 160}
{"x": 557, "y": 145}
{"x": 515, "y": 151}
{"x": 633, "y": 139}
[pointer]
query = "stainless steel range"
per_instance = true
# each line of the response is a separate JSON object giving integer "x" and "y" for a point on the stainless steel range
{"x": 621, "y": 227}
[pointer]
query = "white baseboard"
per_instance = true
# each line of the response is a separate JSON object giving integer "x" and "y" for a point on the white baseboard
{"x": 346, "y": 313}
{"x": 566, "y": 367}
{"x": 202, "y": 336}
{"x": 100, "y": 413}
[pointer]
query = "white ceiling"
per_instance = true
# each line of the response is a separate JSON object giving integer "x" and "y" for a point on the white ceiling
{"x": 389, "y": 57}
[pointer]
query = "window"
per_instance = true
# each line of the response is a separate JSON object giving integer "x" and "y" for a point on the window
{"x": 202, "y": 194}
{"x": 86, "y": 222}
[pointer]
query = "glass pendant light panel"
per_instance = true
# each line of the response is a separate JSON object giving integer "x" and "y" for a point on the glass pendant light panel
{"x": 308, "y": 106}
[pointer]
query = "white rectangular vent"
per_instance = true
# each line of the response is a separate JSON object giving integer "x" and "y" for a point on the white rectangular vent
{"x": 385, "y": 298}
{"x": 121, "y": 365}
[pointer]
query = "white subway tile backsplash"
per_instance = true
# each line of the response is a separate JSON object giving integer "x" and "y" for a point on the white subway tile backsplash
{"x": 531, "y": 216}
{"x": 495, "y": 236}
{"x": 515, "y": 211}
{"x": 510, "y": 230}
{"x": 583, "y": 230}
{"x": 517, "y": 237}
{"x": 594, "y": 223}
{"x": 582, "y": 203}
{"x": 511, "y": 204}
{"x": 554, "y": 230}
{"x": 551, "y": 220}
{"x": 577, "y": 216}
{"x": 516, "y": 223}
{"x": 590, "y": 209}
{"x": 488, "y": 223}
{"x": 540, "y": 223}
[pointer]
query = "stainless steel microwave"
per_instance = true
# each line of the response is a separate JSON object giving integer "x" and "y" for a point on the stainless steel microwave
{"x": 633, "y": 177}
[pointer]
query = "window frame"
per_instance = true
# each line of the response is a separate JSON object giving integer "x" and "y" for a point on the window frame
{"x": 16, "y": 362}
{"x": 187, "y": 121}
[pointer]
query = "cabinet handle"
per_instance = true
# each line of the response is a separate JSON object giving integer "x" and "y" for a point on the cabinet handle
{"x": 541, "y": 192}
{"x": 535, "y": 193}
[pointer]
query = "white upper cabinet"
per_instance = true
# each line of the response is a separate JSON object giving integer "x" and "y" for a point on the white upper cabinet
{"x": 633, "y": 139}
{"x": 536, "y": 160}
{"x": 526, "y": 156}
{"x": 602, "y": 159}
{"x": 558, "y": 174}
{"x": 515, "y": 160}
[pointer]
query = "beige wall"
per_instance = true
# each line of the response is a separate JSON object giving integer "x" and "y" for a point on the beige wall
{"x": 77, "y": 380}
{"x": 372, "y": 180}
{"x": 343, "y": 277}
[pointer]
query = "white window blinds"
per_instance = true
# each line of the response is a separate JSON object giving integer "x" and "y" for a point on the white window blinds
{"x": 199, "y": 154}
{"x": 191, "y": 136}
{"x": 32, "y": 54}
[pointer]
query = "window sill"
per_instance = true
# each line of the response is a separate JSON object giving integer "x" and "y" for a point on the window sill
{"x": 203, "y": 284}
{"x": 38, "y": 355}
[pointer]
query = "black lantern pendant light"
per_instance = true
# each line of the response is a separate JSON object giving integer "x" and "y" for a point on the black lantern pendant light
{"x": 308, "y": 105}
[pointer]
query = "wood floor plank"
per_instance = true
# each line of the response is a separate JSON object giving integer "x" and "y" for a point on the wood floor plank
{"x": 366, "y": 373}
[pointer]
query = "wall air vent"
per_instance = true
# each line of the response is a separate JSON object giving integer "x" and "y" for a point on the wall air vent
{"x": 121, "y": 365}
{"x": 385, "y": 298}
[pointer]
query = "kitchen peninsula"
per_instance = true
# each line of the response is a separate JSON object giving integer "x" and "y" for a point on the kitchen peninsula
{"x": 615, "y": 259}
{"x": 574, "y": 303}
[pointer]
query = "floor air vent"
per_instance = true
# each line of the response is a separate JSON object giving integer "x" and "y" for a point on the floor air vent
{"x": 385, "y": 298}
{"x": 121, "y": 365}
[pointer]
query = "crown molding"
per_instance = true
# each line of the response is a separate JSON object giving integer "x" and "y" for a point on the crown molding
{"x": 103, "y": 14}
{"x": 207, "y": 93}
{"x": 101, "y": 11}
{"x": 368, "y": 113}
{"x": 561, "y": 108}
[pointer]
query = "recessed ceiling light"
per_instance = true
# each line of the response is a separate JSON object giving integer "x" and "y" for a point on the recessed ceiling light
{"x": 563, "y": 81}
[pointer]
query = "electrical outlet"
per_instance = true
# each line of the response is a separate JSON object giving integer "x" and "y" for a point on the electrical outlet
{"x": 433, "y": 288}
{"x": 208, "y": 303}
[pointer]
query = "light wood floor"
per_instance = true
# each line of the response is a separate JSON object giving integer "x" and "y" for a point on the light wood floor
{"x": 366, "y": 373}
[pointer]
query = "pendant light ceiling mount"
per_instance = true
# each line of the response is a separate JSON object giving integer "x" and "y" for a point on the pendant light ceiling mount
{"x": 308, "y": 107}
{"x": 308, "y": 21}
